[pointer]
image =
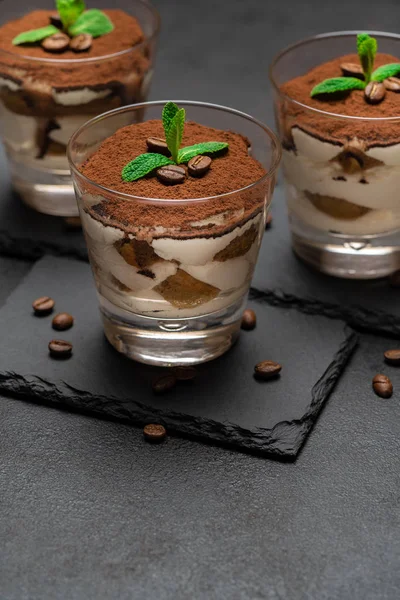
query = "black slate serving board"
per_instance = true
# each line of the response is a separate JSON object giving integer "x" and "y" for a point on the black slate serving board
{"x": 24, "y": 233}
{"x": 225, "y": 405}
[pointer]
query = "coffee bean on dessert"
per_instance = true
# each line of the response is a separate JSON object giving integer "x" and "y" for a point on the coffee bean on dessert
{"x": 171, "y": 174}
{"x": 249, "y": 320}
{"x": 63, "y": 321}
{"x": 268, "y": 221}
{"x": 164, "y": 384}
{"x": 199, "y": 165}
{"x": 392, "y": 84}
{"x": 375, "y": 92}
{"x": 60, "y": 348}
{"x": 268, "y": 369}
{"x": 184, "y": 373}
{"x": 154, "y": 433}
{"x": 394, "y": 279}
{"x": 81, "y": 43}
{"x": 157, "y": 145}
{"x": 56, "y": 43}
{"x": 352, "y": 70}
{"x": 55, "y": 20}
{"x": 43, "y": 305}
{"x": 392, "y": 357}
{"x": 382, "y": 386}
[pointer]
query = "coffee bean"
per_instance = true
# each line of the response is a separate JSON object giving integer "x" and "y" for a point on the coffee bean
{"x": 171, "y": 174}
{"x": 73, "y": 222}
{"x": 157, "y": 145}
{"x": 392, "y": 84}
{"x": 375, "y": 92}
{"x": 382, "y": 386}
{"x": 63, "y": 321}
{"x": 56, "y": 43}
{"x": 154, "y": 433}
{"x": 60, "y": 348}
{"x": 55, "y": 20}
{"x": 81, "y": 43}
{"x": 249, "y": 320}
{"x": 268, "y": 221}
{"x": 267, "y": 369}
{"x": 43, "y": 306}
{"x": 352, "y": 70}
{"x": 392, "y": 357}
{"x": 394, "y": 279}
{"x": 199, "y": 165}
{"x": 184, "y": 373}
{"x": 164, "y": 384}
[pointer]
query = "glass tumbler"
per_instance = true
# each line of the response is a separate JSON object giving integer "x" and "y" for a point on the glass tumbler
{"x": 168, "y": 294}
{"x": 44, "y": 100}
{"x": 343, "y": 195}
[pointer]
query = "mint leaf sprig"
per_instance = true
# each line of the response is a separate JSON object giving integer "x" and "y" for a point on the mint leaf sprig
{"x": 367, "y": 47}
{"x": 173, "y": 119}
{"x": 75, "y": 21}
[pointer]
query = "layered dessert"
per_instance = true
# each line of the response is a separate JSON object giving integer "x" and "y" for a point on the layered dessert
{"x": 50, "y": 87}
{"x": 173, "y": 233}
{"x": 342, "y": 169}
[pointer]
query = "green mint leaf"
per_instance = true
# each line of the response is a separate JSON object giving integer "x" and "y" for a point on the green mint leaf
{"x": 337, "y": 84}
{"x": 168, "y": 114}
{"x": 174, "y": 133}
{"x": 367, "y": 47}
{"x": 143, "y": 165}
{"x": 92, "y": 21}
{"x": 69, "y": 11}
{"x": 185, "y": 154}
{"x": 386, "y": 71}
{"x": 35, "y": 35}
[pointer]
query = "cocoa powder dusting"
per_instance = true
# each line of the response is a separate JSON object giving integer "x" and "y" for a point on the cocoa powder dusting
{"x": 230, "y": 171}
{"x": 338, "y": 130}
{"x": 127, "y": 34}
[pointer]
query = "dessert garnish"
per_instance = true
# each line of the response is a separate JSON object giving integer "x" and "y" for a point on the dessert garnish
{"x": 168, "y": 152}
{"x": 363, "y": 76}
{"x": 74, "y": 22}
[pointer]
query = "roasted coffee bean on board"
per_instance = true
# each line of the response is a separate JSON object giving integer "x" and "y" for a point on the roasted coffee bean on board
{"x": 154, "y": 433}
{"x": 164, "y": 384}
{"x": 60, "y": 348}
{"x": 43, "y": 305}
{"x": 63, "y": 321}
{"x": 382, "y": 386}
{"x": 267, "y": 369}
{"x": 249, "y": 320}
{"x": 392, "y": 357}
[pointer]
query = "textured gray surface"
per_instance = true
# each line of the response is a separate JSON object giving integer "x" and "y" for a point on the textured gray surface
{"x": 225, "y": 404}
{"x": 90, "y": 512}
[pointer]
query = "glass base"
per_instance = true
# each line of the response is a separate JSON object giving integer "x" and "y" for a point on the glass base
{"x": 169, "y": 342}
{"x": 358, "y": 259}
{"x": 49, "y": 191}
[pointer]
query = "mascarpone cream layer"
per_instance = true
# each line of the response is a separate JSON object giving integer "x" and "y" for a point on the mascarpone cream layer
{"x": 309, "y": 168}
{"x": 231, "y": 276}
{"x": 374, "y": 222}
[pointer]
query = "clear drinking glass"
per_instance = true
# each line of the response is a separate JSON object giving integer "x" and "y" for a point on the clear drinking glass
{"x": 188, "y": 309}
{"x": 343, "y": 199}
{"x": 38, "y": 115}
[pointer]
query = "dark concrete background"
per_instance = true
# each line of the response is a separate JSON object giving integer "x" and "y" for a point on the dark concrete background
{"x": 91, "y": 512}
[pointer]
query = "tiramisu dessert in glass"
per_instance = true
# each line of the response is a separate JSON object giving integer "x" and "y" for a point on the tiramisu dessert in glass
{"x": 60, "y": 66}
{"x": 337, "y": 101}
{"x": 173, "y": 213}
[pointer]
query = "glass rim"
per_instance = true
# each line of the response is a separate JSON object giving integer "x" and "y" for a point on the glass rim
{"x": 276, "y": 150}
{"x": 322, "y": 36}
{"x": 82, "y": 61}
